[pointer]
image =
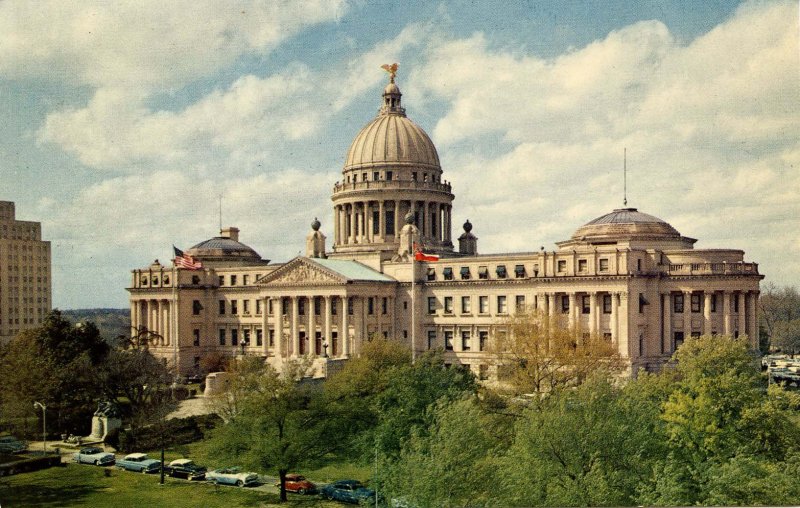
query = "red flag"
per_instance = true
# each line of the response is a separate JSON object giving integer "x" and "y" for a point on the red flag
{"x": 185, "y": 260}
{"x": 421, "y": 256}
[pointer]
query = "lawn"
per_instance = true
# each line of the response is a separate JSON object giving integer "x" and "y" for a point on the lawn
{"x": 85, "y": 485}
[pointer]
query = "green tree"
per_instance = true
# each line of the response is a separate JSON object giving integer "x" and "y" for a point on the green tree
{"x": 453, "y": 464}
{"x": 786, "y": 336}
{"x": 280, "y": 424}
{"x": 538, "y": 354}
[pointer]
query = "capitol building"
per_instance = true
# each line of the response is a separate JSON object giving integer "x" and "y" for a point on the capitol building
{"x": 626, "y": 276}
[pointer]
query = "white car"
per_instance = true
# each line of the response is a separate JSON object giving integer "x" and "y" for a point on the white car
{"x": 94, "y": 455}
{"x": 232, "y": 476}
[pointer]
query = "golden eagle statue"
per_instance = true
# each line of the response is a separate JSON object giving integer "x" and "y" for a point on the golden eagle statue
{"x": 391, "y": 69}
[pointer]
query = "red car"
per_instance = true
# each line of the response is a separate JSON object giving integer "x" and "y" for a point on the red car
{"x": 298, "y": 483}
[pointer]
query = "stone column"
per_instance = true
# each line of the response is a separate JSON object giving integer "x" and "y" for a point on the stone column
{"x": 278, "y": 312}
{"x": 264, "y": 326}
{"x": 573, "y": 308}
{"x": 551, "y": 304}
{"x": 426, "y": 220}
{"x": 326, "y": 332}
{"x": 311, "y": 328}
{"x": 344, "y": 333}
{"x": 397, "y": 219}
{"x": 615, "y": 318}
{"x": 666, "y": 345}
{"x": 687, "y": 314}
{"x": 752, "y": 318}
{"x": 382, "y": 220}
{"x": 352, "y": 219}
{"x": 160, "y": 322}
{"x": 295, "y": 333}
{"x": 742, "y": 314}
{"x": 623, "y": 332}
{"x": 167, "y": 322}
{"x": 134, "y": 318}
{"x": 593, "y": 313}
{"x": 726, "y": 313}
{"x": 707, "y": 313}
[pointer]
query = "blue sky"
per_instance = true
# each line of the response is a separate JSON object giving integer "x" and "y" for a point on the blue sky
{"x": 124, "y": 122}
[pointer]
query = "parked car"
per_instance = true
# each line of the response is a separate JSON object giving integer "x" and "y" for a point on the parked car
{"x": 185, "y": 468}
{"x": 10, "y": 444}
{"x": 94, "y": 455}
{"x": 139, "y": 462}
{"x": 348, "y": 491}
{"x": 232, "y": 476}
{"x": 298, "y": 483}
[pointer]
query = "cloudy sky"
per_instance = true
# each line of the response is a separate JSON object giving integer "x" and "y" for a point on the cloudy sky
{"x": 123, "y": 123}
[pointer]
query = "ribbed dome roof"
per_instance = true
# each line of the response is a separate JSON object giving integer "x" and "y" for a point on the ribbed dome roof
{"x": 221, "y": 247}
{"x": 626, "y": 222}
{"x": 392, "y": 139}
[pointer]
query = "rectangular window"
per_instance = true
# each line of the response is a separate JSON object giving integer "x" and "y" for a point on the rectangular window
{"x": 376, "y": 176}
{"x": 258, "y": 306}
{"x": 606, "y": 304}
{"x": 483, "y": 340}
{"x": 501, "y": 272}
{"x": 350, "y": 306}
{"x": 483, "y": 372}
{"x": 603, "y": 265}
{"x": 272, "y": 338}
{"x": 447, "y": 273}
{"x": 520, "y": 303}
{"x": 222, "y": 336}
{"x": 245, "y": 279}
{"x": 465, "y": 305}
{"x": 448, "y": 340}
{"x": 301, "y": 306}
{"x": 246, "y": 336}
{"x": 385, "y": 305}
{"x": 389, "y": 175}
{"x": 519, "y": 271}
{"x": 195, "y": 280}
{"x": 642, "y": 303}
{"x": 196, "y": 307}
{"x": 221, "y": 307}
{"x": 259, "y": 337}
{"x": 695, "y": 303}
{"x": 431, "y": 274}
{"x": 221, "y": 280}
{"x": 317, "y": 305}
{"x": 431, "y": 339}
{"x": 695, "y": 334}
{"x": 389, "y": 214}
{"x": 714, "y": 302}
{"x": 465, "y": 275}
{"x": 677, "y": 303}
{"x": 501, "y": 304}
{"x": 376, "y": 222}
{"x": 586, "y": 304}
{"x": 246, "y": 306}
{"x": 448, "y": 304}
{"x": 483, "y": 272}
{"x": 431, "y": 305}
{"x": 285, "y": 302}
{"x": 196, "y": 336}
{"x": 233, "y": 280}
{"x": 334, "y": 306}
{"x": 465, "y": 344}
{"x": 234, "y": 337}
{"x": 370, "y": 306}
{"x": 562, "y": 265}
{"x": 583, "y": 265}
{"x": 483, "y": 304}
{"x": 234, "y": 307}
{"x": 736, "y": 303}
{"x": 564, "y": 304}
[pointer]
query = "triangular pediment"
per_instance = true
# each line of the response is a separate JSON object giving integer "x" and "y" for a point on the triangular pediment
{"x": 302, "y": 272}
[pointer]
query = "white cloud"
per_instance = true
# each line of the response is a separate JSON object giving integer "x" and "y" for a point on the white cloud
{"x": 145, "y": 44}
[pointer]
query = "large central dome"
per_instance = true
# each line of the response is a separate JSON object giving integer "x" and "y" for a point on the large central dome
{"x": 391, "y": 138}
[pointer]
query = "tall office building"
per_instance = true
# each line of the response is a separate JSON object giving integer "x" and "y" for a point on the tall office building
{"x": 25, "y": 281}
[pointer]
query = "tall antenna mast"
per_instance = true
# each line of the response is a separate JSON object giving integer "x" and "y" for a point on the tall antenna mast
{"x": 625, "y": 176}
{"x": 220, "y": 212}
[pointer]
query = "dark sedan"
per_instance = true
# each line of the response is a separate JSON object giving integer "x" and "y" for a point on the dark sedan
{"x": 185, "y": 468}
{"x": 348, "y": 491}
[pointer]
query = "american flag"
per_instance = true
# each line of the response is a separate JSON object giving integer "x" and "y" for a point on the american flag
{"x": 185, "y": 260}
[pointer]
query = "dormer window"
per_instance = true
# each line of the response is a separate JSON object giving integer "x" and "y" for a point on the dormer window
{"x": 501, "y": 272}
{"x": 465, "y": 274}
{"x": 519, "y": 271}
{"x": 483, "y": 272}
{"x": 447, "y": 273}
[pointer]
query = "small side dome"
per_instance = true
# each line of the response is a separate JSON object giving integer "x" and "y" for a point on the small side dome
{"x": 468, "y": 226}
{"x": 626, "y": 223}
{"x": 316, "y": 224}
{"x": 225, "y": 247}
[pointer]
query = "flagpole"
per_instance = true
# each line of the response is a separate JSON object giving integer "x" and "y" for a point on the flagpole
{"x": 413, "y": 306}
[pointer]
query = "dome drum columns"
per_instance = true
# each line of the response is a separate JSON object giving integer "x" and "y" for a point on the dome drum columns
{"x": 362, "y": 223}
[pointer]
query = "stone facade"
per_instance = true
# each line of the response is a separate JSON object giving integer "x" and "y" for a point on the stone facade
{"x": 25, "y": 283}
{"x": 626, "y": 276}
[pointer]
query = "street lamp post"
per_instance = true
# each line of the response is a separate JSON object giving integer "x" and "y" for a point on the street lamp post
{"x": 44, "y": 423}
